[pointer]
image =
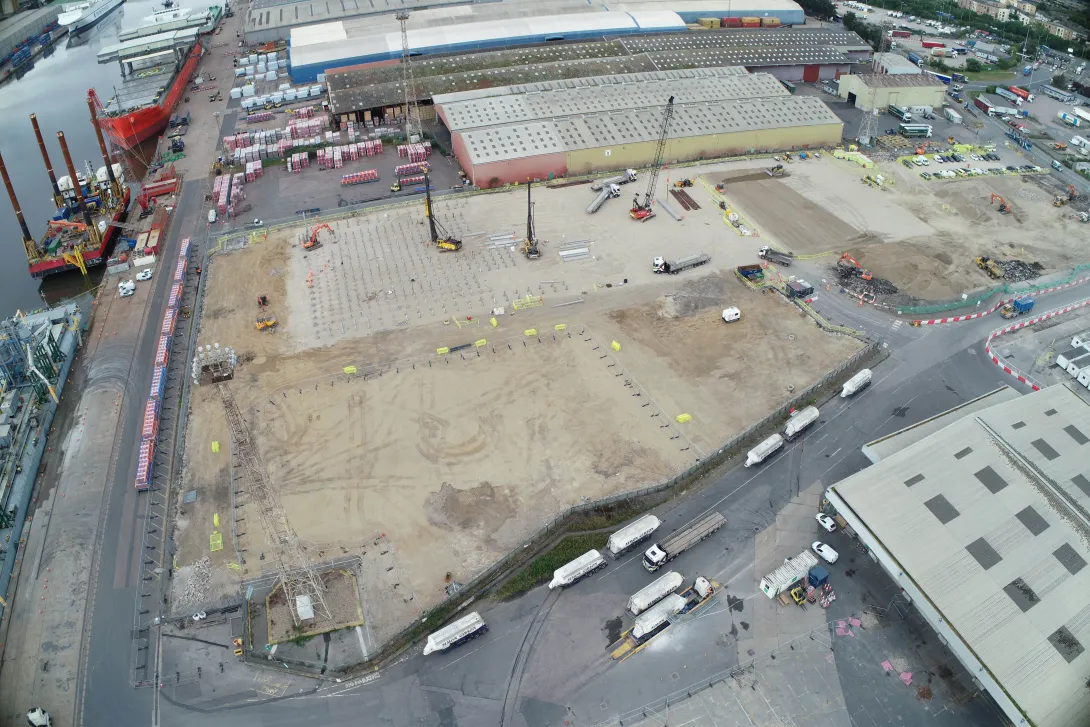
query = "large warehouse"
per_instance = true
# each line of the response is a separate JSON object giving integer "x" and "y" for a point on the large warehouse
{"x": 373, "y": 94}
{"x": 879, "y": 90}
{"x": 982, "y": 517}
{"x": 316, "y": 48}
{"x": 567, "y": 128}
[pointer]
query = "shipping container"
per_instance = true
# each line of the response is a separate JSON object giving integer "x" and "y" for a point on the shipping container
{"x": 932, "y": 44}
{"x": 770, "y": 22}
{"x": 731, "y": 22}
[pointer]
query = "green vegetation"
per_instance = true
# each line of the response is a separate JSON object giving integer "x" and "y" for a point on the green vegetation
{"x": 972, "y": 65}
{"x": 993, "y": 76}
{"x": 541, "y": 568}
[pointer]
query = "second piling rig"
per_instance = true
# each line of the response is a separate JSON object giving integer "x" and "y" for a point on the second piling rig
{"x": 643, "y": 211}
{"x": 529, "y": 245}
{"x": 439, "y": 237}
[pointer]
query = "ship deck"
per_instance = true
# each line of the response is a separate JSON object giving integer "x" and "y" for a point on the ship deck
{"x": 143, "y": 88}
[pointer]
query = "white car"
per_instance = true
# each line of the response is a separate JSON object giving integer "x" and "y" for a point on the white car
{"x": 144, "y": 275}
{"x": 126, "y": 288}
{"x": 827, "y": 523}
{"x": 826, "y": 553}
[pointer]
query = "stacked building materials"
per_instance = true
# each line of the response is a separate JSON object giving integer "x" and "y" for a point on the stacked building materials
{"x": 221, "y": 189}
{"x": 237, "y": 195}
{"x": 415, "y": 152}
{"x": 298, "y": 162}
{"x": 307, "y": 112}
{"x": 253, "y": 171}
{"x": 406, "y": 181}
{"x": 259, "y": 116}
{"x": 404, "y": 170}
{"x": 369, "y": 175}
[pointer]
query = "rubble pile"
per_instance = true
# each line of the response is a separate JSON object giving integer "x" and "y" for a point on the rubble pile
{"x": 1016, "y": 271}
{"x": 850, "y": 281}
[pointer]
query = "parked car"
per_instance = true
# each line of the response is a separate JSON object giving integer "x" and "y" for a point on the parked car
{"x": 825, "y": 552}
{"x": 125, "y": 288}
{"x": 827, "y": 523}
{"x": 144, "y": 274}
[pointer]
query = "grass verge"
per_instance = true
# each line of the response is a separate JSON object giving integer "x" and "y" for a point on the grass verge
{"x": 992, "y": 76}
{"x": 541, "y": 568}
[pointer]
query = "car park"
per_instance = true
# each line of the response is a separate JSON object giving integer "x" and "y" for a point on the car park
{"x": 825, "y": 552}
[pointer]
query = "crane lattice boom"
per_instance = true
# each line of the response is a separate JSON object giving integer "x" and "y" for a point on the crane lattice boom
{"x": 656, "y": 164}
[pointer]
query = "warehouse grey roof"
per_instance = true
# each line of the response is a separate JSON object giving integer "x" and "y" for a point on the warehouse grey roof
{"x": 990, "y": 518}
{"x": 606, "y": 129}
{"x": 601, "y": 94}
{"x": 786, "y": 38}
{"x": 891, "y": 80}
{"x": 526, "y": 102}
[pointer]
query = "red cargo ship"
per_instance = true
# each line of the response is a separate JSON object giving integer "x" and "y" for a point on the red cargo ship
{"x": 143, "y": 105}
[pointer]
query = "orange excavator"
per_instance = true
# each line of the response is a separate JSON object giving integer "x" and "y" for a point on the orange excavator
{"x": 848, "y": 265}
{"x": 1004, "y": 208}
{"x": 77, "y": 226}
{"x": 313, "y": 242}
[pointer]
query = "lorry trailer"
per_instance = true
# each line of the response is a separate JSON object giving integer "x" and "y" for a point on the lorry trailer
{"x": 764, "y": 450}
{"x": 791, "y": 572}
{"x": 661, "y": 265}
{"x": 633, "y": 534}
{"x": 783, "y": 258}
{"x": 628, "y": 176}
{"x": 1069, "y": 119}
{"x": 799, "y": 422}
{"x": 466, "y": 628}
{"x": 1009, "y": 95}
{"x": 659, "y": 589}
{"x": 952, "y": 116}
{"x": 856, "y": 383}
{"x": 610, "y": 192}
{"x": 577, "y": 569}
{"x": 657, "y": 617}
{"x": 662, "y": 553}
{"x": 1022, "y": 93}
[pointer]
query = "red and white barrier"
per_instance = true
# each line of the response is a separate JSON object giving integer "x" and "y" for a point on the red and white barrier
{"x": 1000, "y": 304}
{"x": 1020, "y": 325}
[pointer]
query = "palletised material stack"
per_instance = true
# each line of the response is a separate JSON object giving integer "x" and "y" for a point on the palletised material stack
{"x": 237, "y": 195}
{"x": 259, "y": 117}
{"x": 254, "y": 171}
{"x": 298, "y": 162}
{"x": 415, "y": 152}
{"x": 404, "y": 170}
{"x": 369, "y": 175}
{"x": 221, "y": 190}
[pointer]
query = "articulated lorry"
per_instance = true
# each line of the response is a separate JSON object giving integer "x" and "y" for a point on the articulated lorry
{"x": 631, "y": 535}
{"x": 577, "y": 569}
{"x": 662, "y": 265}
{"x": 856, "y": 383}
{"x": 764, "y": 450}
{"x": 783, "y": 258}
{"x": 1016, "y": 308}
{"x": 791, "y": 572}
{"x": 628, "y": 176}
{"x": 612, "y": 191}
{"x": 658, "y": 616}
{"x": 659, "y": 589}
{"x": 662, "y": 553}
{"x": 464, "y": 629}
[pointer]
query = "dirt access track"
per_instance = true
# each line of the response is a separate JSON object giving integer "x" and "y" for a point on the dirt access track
{"x": 442, "y": 463}
{"x": 920, "y": 235}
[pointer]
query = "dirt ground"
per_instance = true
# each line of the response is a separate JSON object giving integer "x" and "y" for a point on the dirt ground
{"x": 920, "y": 235}
{"x": 431, "y": 466}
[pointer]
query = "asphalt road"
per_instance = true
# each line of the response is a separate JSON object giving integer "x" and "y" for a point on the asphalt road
{"x": 558, "y": 669}
{"x": 104, "y": 689}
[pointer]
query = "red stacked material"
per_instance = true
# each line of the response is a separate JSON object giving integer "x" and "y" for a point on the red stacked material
{"x": 404, "y": 170}
{"x": 162, "y": 352}
{"x": 415, "y": 152}
{"x": 369, "y": 175}
{"x": 406, "y": 181}
{"x": 371, "y": 148}
{"x": 151, "y": 419}
{"x": 259, "y": 116}
{"x": 304, "y": 113}
{"x": 220, "y": 191}
{"x": 237, "y": 195}
{"x": 144, "y": 463}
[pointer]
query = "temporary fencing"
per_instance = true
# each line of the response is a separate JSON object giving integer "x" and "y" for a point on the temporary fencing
{"x": 1076, "y": 276}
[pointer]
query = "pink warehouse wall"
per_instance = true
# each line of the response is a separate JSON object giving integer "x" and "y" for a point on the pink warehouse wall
{"x": 507, "y": 172}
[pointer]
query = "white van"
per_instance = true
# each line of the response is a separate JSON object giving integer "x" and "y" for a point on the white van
{"x": 212, "y": 216}
{"x": 732, "y": 314}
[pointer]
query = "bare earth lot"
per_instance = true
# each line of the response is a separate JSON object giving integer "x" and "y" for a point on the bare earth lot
{"x": 431, "y": 466}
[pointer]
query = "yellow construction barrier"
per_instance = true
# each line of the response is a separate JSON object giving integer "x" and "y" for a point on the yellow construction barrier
{"x": 481, "y": 343}
{"x": 215, "y": 542}
{"x": 560, "y": 326}
{"x": 854, "y": 156}
{"x": 467, "y": 321}
{"x": 215, "y": 519}
{"x": 615, "y": 346}
{"x": 350, "y": 370}
{"x": 215, "y": 447}
{"x": 683, "y": 418}
{"x": 530, "y": 332}
{"x": 529, "y": 301}
{"x": 443, "y": 351}
{"x": 493, "y": 321}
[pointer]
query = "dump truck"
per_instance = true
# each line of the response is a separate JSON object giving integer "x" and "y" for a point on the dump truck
{"x": 764, "y": 450}
{"x": 662, "y": 265}
{"x": 751, "y": 272}
{"x": 783, "y": 258}
{"x": 633, "y": 534}
{"x": 577, "y": 569}
{"x": 991, "y": 267}
{"x": 791, "y": 572}
{"x": 659, "y": 589}
{"x": 628, "y": 176}
{"x": 1016, "y": 308}
{"x": 800, "y": 421}
{"x": 610, "y": 192}
{"x": 466, "y": 628}
{"x": 856, "y": 383}
{"x": 662, "y": 553}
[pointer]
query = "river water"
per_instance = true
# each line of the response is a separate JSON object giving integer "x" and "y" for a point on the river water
{"x": 56, "y": 90}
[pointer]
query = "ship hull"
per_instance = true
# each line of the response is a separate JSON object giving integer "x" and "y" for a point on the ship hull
{"x": 53, "y": 265}
{"x": 131, "y": 129}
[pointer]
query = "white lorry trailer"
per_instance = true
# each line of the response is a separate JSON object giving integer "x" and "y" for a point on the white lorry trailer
{"x": 466, "y": 628}
{"x": 856, "y": 383}
{"x": 952, "y": 116}
{"x": 628, "y": 176}
{"x": 662, "y": 553}
{"x": 788, "y": 574}
{"x": 799, "y": 422}
{"x": 610, "y": 192}
{"x": 657, "y": 617}
{"x": 578, "y": 569}
{"x": 659, "y": 589}
{"x": 764, "y": 450}
{"x": 662, "y": 265}
{"x": 631, "y": 535}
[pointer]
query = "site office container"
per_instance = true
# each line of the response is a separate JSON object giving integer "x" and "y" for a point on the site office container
{"x": 770, "y": 22}
{"x": 731, "y": 22}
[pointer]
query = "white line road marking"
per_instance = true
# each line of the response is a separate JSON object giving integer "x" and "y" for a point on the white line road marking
{"x": 363, "y": 646}
{"x": 837, "y": 450}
